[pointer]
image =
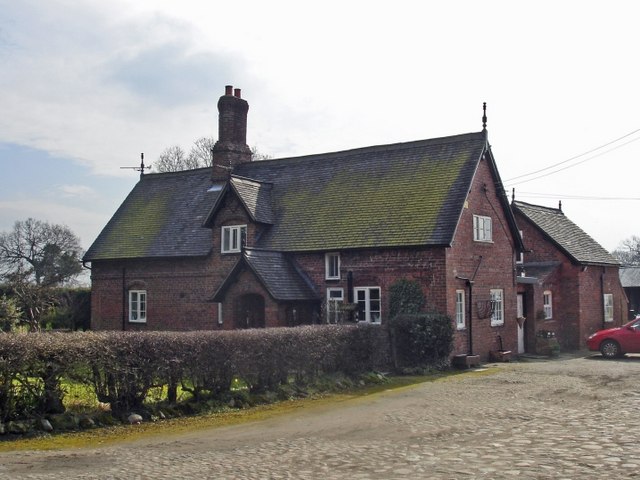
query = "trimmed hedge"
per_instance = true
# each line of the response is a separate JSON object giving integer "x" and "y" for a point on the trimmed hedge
{"x": 122, "y": 367}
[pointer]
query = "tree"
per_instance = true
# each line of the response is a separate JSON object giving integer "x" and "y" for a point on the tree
{"x": 10, "y": 313}
{"x": 175, "y": 159}
{"x": 172, "y": 159}
{"x": 628, "y": 252}
{"x": 40, "y": 253}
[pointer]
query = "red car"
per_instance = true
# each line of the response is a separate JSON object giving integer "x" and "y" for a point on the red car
{"x": 615, "y": 342}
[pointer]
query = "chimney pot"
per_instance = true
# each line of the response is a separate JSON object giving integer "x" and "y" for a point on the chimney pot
{"x": 238, "y": 93}
{"x": 228, "y": 90}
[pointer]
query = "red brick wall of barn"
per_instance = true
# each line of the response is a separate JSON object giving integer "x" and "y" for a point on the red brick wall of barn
{"x": 491, "y": 265}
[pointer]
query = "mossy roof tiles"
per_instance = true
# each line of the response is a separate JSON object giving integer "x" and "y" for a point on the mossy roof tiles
{"x": 570, "y": 238}
{"x": 385, "y": 196}
{"x": 161, "y": 217}
{"x": 403, "y": 194}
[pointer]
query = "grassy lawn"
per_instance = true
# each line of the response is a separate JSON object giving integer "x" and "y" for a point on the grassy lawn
{"x": 79, "y": 399}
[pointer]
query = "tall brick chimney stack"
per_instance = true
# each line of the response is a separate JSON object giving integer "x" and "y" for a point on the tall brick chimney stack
{"x": 231, "y": 149}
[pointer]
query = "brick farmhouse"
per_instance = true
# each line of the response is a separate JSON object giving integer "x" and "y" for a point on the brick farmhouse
{"x": 314, "y": 239}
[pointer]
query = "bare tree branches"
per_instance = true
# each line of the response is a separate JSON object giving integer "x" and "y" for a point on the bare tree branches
{"x": 41, "y": 253}
{"x": 175, "y": 159}
{"x": 628, "y": 252}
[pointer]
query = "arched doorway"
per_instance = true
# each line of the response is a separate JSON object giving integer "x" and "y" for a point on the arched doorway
{"x": 250, "y": 311}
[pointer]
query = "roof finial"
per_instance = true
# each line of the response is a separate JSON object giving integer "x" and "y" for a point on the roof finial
{"x": 142, "y": 166}
{"x": 484, "y": 116}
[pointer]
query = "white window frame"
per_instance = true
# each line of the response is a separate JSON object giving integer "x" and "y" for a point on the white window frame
{"x": 369, "y": 312}
{"x": 547, "y": 304}
{"x": 335, "y": 297}
{"x": 520, "y": 255}
{"x": 461, "y": 322}
{"x": 138, "y": 306}
{"x": 497, "y": 304}
{"x": 482, "y": 229}
{"x": 235, "y": 235}
{"x": 332, "y": 266}
{"x": 608, "y": 307}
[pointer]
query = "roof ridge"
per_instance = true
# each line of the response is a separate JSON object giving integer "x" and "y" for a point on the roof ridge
{"x": 519, "y": 203}
{"x": 379, "y": 148}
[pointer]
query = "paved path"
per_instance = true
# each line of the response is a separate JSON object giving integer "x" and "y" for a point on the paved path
{"x": 572, "y": 418}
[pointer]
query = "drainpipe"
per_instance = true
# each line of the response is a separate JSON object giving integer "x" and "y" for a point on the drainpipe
{"x": 124, "y": 300}
{"x": 470, "y": 285}
{"x": 602, "y": 297}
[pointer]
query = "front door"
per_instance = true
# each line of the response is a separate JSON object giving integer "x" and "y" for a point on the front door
{"x": 250, "y": 311}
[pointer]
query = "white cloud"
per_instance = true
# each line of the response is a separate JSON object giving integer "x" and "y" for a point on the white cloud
{"x": 73, "y": 191}
{"x": 85, "y": 222}
{"x": 100, "y": 82}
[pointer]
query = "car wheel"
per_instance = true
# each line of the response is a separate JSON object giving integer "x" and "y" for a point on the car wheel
{"x": 610, "y": 349}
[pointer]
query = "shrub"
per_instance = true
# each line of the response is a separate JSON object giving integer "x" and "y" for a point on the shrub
{"x": 405, "y": 296}
{"x": 421, "y": 339}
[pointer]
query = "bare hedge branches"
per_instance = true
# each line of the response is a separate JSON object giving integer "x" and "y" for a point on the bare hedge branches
{"x": 122, "y": 367}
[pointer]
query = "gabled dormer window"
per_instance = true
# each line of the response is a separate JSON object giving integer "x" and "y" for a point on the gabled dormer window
{"x": 233, "y": 238}
{"x": 332, "y": 266}
{"x": 482, "y": 231}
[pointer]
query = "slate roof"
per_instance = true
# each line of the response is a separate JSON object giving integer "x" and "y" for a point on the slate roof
{"x": 630, "y": 277}
{"x": 282, "y": 279}
{"x": 161, "y": 217}
{"x": 565, "y": 234}
{"x": 404, "y": 194}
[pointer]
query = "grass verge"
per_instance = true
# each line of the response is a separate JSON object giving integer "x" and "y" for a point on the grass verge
{"x": 175, "y": 426}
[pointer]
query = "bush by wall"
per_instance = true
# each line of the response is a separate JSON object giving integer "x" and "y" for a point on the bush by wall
{"x": 424, "y": 339}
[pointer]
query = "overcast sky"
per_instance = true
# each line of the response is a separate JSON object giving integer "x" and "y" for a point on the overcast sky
{"x": 86, "y": 86}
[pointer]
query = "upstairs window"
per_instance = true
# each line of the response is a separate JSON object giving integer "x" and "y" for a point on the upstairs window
{"x": 482, "y": 229}
{"x": 332, "y": 266}
{"x": 608, "y": 307}
{"x": 547, "y": 305}
{"x": 520, "y": 255}
{"x": 233, "y": 238}
{"x": 138, "y": 306}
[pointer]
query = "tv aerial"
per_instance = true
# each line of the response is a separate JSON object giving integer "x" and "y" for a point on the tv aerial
{"x": 142, "y": 166}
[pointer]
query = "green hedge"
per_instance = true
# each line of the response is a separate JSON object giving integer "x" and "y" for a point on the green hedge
{"x": 122, "y": 367}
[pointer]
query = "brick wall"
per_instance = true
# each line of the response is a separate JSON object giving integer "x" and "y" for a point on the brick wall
{"x": 491, "y": 265}
{"x": 177, "y": 294}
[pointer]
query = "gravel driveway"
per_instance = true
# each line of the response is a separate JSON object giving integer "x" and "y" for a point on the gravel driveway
{"x": 576, "y": 417}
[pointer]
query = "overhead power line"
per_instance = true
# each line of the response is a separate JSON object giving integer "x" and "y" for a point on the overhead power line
{"x": 574, "y": 158}
{"x": 564, "y": 196}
